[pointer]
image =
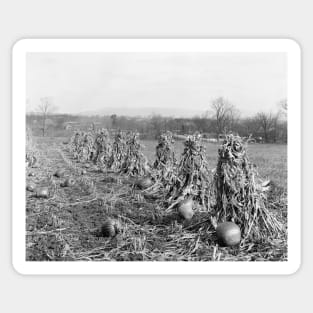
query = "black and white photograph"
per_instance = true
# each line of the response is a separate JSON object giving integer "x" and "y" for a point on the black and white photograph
{"x": 156, "y": 156}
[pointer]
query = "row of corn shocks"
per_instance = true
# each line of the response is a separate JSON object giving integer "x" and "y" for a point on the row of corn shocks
{"x": 232, "y": 194}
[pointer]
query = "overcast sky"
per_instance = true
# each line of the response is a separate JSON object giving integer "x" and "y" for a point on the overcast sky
{"x": 183, "y": 84}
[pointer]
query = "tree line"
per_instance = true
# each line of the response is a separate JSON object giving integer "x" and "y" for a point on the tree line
{"x": 221, "y": 117}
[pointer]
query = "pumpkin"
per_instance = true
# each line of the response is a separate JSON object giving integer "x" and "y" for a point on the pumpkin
{"x": 60, "y": 173}
{"x": 144, "y": 183}
{"x": 42, "y": 192}
{"x": 69, "y": 182}
{"x": 185, "y": 209}
{"x": 228, "y": 234}
{"x": 30, "y": 187}
{"x": 108, "y": 228}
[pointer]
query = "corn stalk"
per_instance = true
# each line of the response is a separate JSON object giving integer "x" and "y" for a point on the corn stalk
{"x": 240, "y": 194}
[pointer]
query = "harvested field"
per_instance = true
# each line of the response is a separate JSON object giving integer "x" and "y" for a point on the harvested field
{"x": 67, "y": 225}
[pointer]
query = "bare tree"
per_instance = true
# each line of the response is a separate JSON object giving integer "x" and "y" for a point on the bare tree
{"x": 267, "y": 122}
{"x": 249, "y": 126}
{"x": 45, "y": 108}
{"x": 114, "y": 120}
{"x": 224, "y": 115}
{"x": 157, "y": 124}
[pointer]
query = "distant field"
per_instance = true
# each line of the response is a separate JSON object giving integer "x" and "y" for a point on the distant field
{"x": 271, "y": 159}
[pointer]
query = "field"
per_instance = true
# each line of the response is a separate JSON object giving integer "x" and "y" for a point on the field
{"x": 67, "y": 225}
{"x": 270, "y": 159}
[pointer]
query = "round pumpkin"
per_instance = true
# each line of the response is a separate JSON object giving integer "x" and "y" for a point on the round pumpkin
{"x": 42, "y": 192}
{"x": 228, "y": 234}
{"x": 185, "y": 209}
{"x": 144, "y": 183}
{"x": 30, "y": 186}
{"x": 108, "y": 228}
{"x": 69, "y": 182}
{"x": 60, "y": 173}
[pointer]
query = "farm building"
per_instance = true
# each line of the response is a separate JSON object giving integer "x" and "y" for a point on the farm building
{"x": 71, "y": 125}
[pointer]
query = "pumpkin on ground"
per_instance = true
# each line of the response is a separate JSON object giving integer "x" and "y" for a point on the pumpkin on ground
{"x": 228, "y": 234}
{"x": 59, "y": 173}
{"x": 42, "y": 192}
{"x": 30, "y": 186}
{"x": 69, "y": 182}
{"x": 109, "y": 228}
{"x": 144, "y": 183}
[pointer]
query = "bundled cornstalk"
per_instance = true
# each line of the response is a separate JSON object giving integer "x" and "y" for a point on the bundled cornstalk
{"x": 165, "y": 155}
{"x": 81, "y": 145}
{"x": 165, "y": 165}
{"x": 134, "y": 163}
{"x": 119, "y": 151}
{"x": 102, "y": 148}
{"x": 85, "y": 148}
{"x": 75, "y": 143}
{"x": 240, "y": 193}
{"x": 193, "y": 175}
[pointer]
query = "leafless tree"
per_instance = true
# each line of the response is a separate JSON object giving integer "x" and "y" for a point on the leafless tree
{"x": 224, "y": 115}
{"x": 267, "y": 122}
{"x": 45, "y": 108}
{"x": 114, "y": 120}
{"x": 157, "y": 124}
{"x": 249, "y": 126}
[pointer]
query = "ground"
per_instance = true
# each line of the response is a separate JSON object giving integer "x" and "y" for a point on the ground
{"x": 67, "y": 225}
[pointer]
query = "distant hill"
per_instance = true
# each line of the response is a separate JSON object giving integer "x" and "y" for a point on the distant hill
{"x": 143, "y": 111}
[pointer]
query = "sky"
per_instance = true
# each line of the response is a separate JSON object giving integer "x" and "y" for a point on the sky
{"x": 177, "y": 84}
